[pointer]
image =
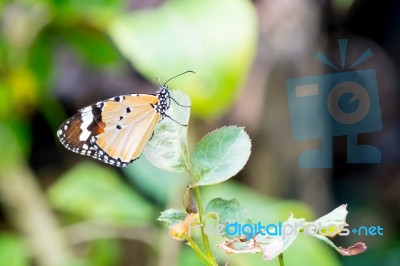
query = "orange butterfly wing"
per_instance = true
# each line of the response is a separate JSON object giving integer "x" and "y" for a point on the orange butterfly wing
{"x": 114, "y": 131}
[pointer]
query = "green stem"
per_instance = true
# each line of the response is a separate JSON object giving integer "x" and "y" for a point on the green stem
{"x": 210, "y": 258}
{"x": 281, "y": 262}
{"x": 203, "y": 234}
{"x": 199, "y": 253}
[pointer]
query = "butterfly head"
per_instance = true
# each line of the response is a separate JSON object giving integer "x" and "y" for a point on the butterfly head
{"x": 163, "y": 96}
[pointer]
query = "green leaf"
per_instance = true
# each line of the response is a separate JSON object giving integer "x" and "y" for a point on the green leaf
{"x": 332, "y": 223}
{"x": 228, "y": 211}
{"x": 193, "y": 35}
{"x": 220, "y": 155}
{"x": 167, "y": 149}
{"x": 172, "y": 216}
{"x": 273, "y": 246}
{"x": 13, "y": 251}
{"x": 93, "y": 192}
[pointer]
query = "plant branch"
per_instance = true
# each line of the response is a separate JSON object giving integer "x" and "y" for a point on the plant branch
{"x": 199, "y": 253}
{"x": 203, "y": 234}
{"x": 91, "y": 230}
{"x": 210, "y": 257}
{"x": 26, "y": 207}
{"x": 281, "y": 262}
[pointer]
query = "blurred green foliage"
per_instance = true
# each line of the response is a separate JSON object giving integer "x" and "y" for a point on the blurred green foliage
{"x": 89, "y": 191}
{"x": 176, "y": 36}
{"x": 13, "y": 251}
{"x": 105, "y": 252}
{"x": 216, "y": 39}
{"x": 192, "y": 35}
{"x": 11, "y": 154}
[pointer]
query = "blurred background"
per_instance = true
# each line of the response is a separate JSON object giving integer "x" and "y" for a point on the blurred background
{"x": 60, "y": 208}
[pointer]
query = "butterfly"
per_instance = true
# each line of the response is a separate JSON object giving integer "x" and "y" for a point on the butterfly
{"x": 116, "y": 130}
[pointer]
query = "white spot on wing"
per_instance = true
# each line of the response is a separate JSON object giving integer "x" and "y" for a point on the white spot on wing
{"x": 84, "y": 135}
{"x": 85, "y": 146}
{"x": 86, "y": 109}
{"x": 87, "y": 119}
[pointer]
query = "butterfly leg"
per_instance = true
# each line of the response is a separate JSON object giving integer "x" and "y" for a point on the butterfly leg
{"x": 176, "y": 121}
{"x": 179, "y": 103}
{"x": 152, "y": 135}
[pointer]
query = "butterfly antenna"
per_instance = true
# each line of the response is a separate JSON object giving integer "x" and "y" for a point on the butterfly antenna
{"x": 159, "y": 81}
{"x": 189, "y": 71}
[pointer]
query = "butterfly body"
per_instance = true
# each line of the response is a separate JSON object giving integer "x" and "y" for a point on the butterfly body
{"x": 116, "y": 130}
